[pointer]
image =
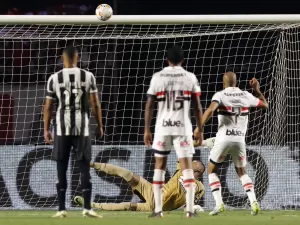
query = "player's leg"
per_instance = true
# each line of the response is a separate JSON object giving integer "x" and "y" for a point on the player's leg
{"x": 124, "y": 206}
{"x": 143, "y": 189}
{"x": 61, "y": 186}
{"x": 140, "y": 186}
{"x": 185, "y": 150}
{"x": 239, "y": 157}
{"x": 217, "y": 156}
{"x": 86, "y": 184}
{"x": 131, "y": 178}
{"x": 82, "y": 148}
{"x": 161, "y": 147}
{"x": 62, "y": 147}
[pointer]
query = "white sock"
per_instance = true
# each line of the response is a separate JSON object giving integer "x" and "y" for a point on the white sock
{"x": 215, "y": 186}
{"x": 248, "y": 187}
{"x": 189, "y": 185}
{"x": 158, "y": 182}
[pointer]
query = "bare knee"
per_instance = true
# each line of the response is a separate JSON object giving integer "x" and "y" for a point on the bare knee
{"x": 185, "y": 163}
{"x": 161, "y": 163}
{"x": 241, "y": 171}
{"x": 211, "y": 168}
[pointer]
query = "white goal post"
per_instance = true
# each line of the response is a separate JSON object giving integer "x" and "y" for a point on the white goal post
{"x": 123, "y": 53}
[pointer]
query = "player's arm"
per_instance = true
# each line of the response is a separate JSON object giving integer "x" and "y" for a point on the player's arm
{"x": 197, "y": 108}
{"x": 149, "y": 110}
{"x": 95, "y": 103}
{"x": 255, "y": 86}
{"x": 148, "y": 117}
{"x": 96, "y": 108}
{"x": 199, "y": 193}
{"x": 212, "y": 108}
{"x": 48, "y": 109}
{"x": 198, "y": 196}
{"x": 206, "y": 143}
{"x": 210, "y": 111}
{"x": 47, "y": 118}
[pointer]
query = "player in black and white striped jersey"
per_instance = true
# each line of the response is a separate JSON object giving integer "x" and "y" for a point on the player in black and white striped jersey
{"x": 72, "y": 87}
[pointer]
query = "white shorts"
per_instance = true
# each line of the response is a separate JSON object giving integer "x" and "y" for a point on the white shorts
{"x": 183, "y": 146}
{"x": 237, "y": 150}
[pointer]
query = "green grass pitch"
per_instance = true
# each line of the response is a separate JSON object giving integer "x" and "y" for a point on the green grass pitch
{"x": 135, "y": 218}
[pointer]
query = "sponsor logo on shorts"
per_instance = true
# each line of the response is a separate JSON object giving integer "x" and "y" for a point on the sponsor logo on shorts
{"x": 242, "y": 157}
{"x": 170, "y": 123}
{"x": 161, "y": 144}
{"x": 234, "y": 133}
{"x": 184, "y": 144}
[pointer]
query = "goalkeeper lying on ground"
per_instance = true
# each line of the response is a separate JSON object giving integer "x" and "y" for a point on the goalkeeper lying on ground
{"x": 174, "y": 193}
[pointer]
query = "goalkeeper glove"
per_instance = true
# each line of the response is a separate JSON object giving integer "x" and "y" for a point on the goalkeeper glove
{"x": 209, "y": 142}
{"x": 206, "y": 143}
{"x": 198, "y": 208}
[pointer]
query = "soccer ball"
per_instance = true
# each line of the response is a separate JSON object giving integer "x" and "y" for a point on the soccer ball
{"x": 104, "y": 12}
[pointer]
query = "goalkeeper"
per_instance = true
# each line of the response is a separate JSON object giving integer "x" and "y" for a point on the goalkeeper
{"x": 173, "y": 191}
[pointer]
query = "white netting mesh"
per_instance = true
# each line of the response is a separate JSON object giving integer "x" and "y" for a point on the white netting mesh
{"x": 123, "y": 59}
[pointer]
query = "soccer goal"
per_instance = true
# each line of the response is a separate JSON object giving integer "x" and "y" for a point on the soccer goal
{"x": 123, "y": 53}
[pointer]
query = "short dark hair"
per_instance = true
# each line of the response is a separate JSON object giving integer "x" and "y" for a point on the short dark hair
{"x": 70, "y": 51}
{"x": 175, "y": 55}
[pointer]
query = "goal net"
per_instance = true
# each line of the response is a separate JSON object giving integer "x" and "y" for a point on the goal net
{"x": 123, "y": 59}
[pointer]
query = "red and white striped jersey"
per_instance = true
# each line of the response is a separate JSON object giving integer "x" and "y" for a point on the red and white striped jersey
{"x": 173, "y": 88}
{"x": 233, "y": 113}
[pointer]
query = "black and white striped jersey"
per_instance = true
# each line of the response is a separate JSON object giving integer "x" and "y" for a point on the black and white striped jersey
{"x": 72, "y": 87}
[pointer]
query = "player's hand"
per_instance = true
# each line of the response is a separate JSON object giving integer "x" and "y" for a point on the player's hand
{"x": 198, "y": 135}
{"x": 48, "y": 137}
{"x": 196, "y": 143}
{"x": 196, "y": 130}
{"x": 148, "y": 138}
{"x": 101, "y": 132}
{"x": 254, "y": 84}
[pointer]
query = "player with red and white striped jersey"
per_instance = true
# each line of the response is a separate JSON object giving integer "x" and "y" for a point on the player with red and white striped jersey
{"x": 233, "y": 108}
{"x": 174, "y": 89}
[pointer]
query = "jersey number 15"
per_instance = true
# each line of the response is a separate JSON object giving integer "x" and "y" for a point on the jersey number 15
{"x": 174, "y": 100}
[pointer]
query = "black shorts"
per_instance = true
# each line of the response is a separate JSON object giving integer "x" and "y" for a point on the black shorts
{"x": 80, "y": 145}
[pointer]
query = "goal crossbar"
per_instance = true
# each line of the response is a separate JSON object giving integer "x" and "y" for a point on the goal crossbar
{"x": 150, "y": 19}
